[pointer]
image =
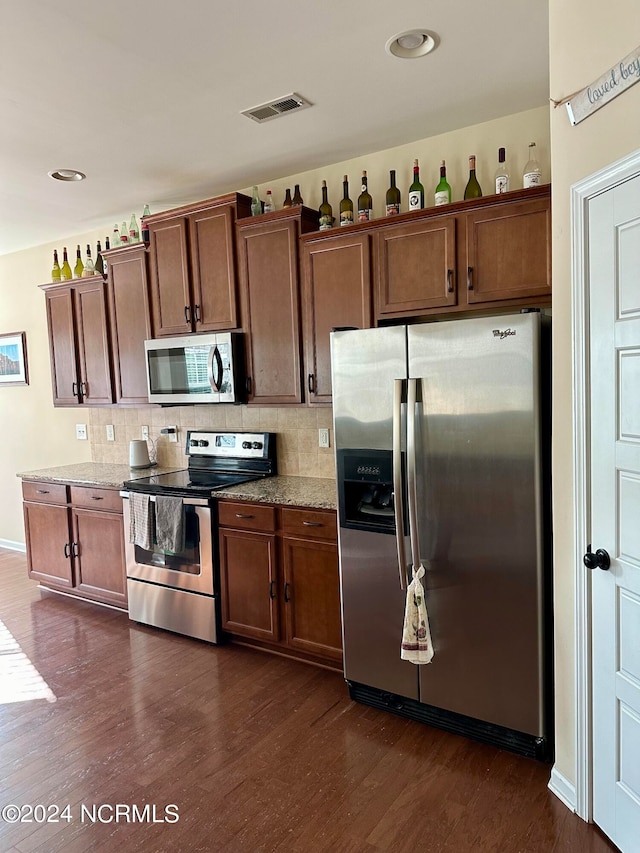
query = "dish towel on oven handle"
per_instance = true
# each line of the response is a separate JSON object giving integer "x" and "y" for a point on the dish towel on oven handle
{"x": 416, "y": 636}
{"x": 169, "y": 523}
{"x": 141, "y": 524}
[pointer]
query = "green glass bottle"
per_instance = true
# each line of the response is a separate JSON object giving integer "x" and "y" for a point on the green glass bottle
{"x": 325, "y": 210}
{"x": 346, "y": 205}
{"x": 472, "y": 190}
{"x": 256, "y": 204}
{"x": 365, "y": 202}
{"x": 416, "y": 190}
{"x": 99, "y": 264}
{"x": 393, "y": 199}
{"x": 79, "y": 267}
{"x": 443, "y": 190}
{"x": 65, "y": 270}
{"x": 297, "y": 196}
{"x": 55, "y": 271}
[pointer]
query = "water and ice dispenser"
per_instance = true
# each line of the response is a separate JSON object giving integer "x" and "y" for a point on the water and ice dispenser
{"x": 365, "y": 490}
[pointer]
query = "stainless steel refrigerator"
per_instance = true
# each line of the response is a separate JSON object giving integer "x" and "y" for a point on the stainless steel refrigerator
{"x": 442, "y": 434}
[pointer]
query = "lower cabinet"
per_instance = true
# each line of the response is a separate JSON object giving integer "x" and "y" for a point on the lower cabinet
{"x": 75, "y": 540}
{"x": 279, "y": 580}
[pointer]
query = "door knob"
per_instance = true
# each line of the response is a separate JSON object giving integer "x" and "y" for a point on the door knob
{"x": 599, "y": 560}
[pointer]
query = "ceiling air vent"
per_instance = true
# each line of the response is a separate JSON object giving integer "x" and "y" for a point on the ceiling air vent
{"x": 287, "y": 104}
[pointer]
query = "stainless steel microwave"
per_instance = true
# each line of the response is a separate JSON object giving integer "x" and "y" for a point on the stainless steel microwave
{"x": 196, "y": 369}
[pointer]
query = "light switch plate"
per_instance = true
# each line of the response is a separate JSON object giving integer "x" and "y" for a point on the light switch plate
{"x": 81, "y": 432}
{"x": 111, "y": 433}
{"x": 323, "y": 438}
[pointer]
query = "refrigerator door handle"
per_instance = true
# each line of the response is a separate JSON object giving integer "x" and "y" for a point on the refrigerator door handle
{"x": 412, "y": 492}
{"x": 398, "y": 500}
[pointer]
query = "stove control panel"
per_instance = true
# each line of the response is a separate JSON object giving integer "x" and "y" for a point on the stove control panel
{"x": 242, "y": 445}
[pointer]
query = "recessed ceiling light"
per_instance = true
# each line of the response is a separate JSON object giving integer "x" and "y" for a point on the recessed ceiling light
{"x": 412, "y": 44}
{"x": 67, "y": 175}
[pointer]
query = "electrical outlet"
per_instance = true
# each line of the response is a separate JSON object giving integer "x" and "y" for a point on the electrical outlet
{"x": 144, "y": 431}
{"x": 323, "y": 438}
{"x": 111, "y": 433}
{"x": 173, "y": 436}
{"x": 81, "y": 432}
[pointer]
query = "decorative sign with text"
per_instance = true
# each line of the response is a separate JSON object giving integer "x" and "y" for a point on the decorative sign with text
{"x": 607, "y": 87}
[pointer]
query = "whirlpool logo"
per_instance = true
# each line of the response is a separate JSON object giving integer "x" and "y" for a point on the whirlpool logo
{"x": 503, "y": 333}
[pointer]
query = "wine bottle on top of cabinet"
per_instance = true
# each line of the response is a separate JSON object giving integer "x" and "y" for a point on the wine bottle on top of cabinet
{"x": 532, "y": 175}
{"x": 502, "y": 173}
{"x": 297, "y": 197}
{"x": 89, "y": 268}
{"x": 416, "y": 190}
{"x": 134, "y": 233}
{"x": 144, "y": 225}
{"x": 393, "y": 199}
{"x": 79, "y": 267}
{"x": 55, "y": 271}
{"x": 365, "y": 202}
{"x": 443, "y": 190}
{"x": 287, "y": 199}
{"x": 256, "y": 204}
{"x": 346, "y": 205}
{"x": 65, "y": 270}
{"x": 325, "y": 211}
{"x": 99, "y": 264}
{"x": 124, "y": 234}
{"x": 472, "y": 190}
{"x": 269, "y": 203}
{"x": 115, "y": 237}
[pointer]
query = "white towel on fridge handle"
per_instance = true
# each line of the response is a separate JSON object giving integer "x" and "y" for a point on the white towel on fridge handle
{"x": 416, "y": 636}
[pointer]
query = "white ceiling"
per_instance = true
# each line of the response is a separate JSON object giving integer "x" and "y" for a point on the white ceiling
{"x": 145, "y": 98}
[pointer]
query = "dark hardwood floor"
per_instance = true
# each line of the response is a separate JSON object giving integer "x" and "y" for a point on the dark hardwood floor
{"x": 257, "y": 753}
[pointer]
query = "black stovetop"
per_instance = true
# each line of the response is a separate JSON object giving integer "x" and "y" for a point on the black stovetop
{"x": 186, "y": 482}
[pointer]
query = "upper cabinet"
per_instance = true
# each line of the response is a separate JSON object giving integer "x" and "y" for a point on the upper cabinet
{"x": 78, "y": 323}
{"x": 270, "y": 288}
{"x": 193, "y": 266}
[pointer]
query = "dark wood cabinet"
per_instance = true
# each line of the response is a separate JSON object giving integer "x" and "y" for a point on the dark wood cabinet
{"x": 336, "y": 292}
{"x": 77, "y": 319}
{"x": 193, "y": 266}
{"x": 130, "y": 315}
{"x": 75, "y": 540}
{"x": 270, "y": 289}
{"x": 279, "y": 579}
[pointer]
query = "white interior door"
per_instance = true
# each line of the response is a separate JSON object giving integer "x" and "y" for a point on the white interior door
{"x": 614, "y": 298}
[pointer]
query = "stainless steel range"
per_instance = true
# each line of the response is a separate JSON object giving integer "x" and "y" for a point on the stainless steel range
{"x": 177, "y": 588}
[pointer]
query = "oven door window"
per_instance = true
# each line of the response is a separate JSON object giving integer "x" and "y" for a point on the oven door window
{"x": 187, "y": 560}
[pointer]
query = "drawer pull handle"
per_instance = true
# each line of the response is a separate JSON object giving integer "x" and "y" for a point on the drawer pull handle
{"x": 96, "y": 498}
{"x": 313, "y": 524}
{"x": 42, "y": 491}
{"x": 243, "y": 515}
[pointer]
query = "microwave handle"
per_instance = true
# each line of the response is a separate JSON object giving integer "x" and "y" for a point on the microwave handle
{"x": 214, "y": 355}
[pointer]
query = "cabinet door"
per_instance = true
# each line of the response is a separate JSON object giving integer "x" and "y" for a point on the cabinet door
{"x": 509, "y": 251}
{"x": 130, "y": 324}
{"x": 269, "y": 277}
{"x": 312, "y": 597}
{"x": 98, "y": 550}
{"x": 93, "y": 343}
{"x": 248, "y": 584}
{"x": 48, "y": 541}
{"x": 62, "y": 345}
{"x": 337, "y": 292}
{"x": 416, "y": 266}
{"x": 213, "y": 269}
{"x": 170, "y": 297}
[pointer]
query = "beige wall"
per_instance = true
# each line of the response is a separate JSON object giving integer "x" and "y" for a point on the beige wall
{"x": 585, "y": 39}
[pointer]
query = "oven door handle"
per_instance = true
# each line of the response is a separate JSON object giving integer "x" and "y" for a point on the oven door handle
{"x": 185, "y": 501}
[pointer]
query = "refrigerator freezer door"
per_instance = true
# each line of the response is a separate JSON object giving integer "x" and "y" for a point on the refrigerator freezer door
{"x": 365, "y": 367}
{"x": 479, "y": 516}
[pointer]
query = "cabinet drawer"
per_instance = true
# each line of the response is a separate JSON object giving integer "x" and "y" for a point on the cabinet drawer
{"x": 247, "y": 516}
{"x": 310, "y": 524}
{"x": 106, "y": 500}
{"x": 50, "y": 493}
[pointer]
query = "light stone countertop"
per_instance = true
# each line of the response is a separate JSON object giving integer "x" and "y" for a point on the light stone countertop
{"x": 313, "y": 492}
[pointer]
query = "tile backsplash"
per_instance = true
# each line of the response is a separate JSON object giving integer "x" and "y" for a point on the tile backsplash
{"x": 296, "y": 429}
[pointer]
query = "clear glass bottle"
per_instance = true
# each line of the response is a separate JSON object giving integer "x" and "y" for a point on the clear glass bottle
{"x": 393, "y": 199}
{"x": 79, "y": 267}
{"x": 297, "y": 197}
{"x": 144, "y": 225}
{"x": 365, "y": 202}
{"x": 134, "y": 233}
{"x": 472, "y": 190}
{"x": 256, "y": 204}
{"x": 442, "y": 194}
{"x": 346, "y": 205}
{"x": 269, "y": 203}
{"x": 55, "y": 271}
{"x": 502, "y": 173}
{"x": 287, "y": 199}
{"x": 532, "y": 175}
{"x": 65, "y": 270}
{"x": 416, "y": 190}
{"x": 325, "y": 211}
{"x": 89, "y": 268}
{"x": 115, "y": 237}
{"x": 124, "y": 234}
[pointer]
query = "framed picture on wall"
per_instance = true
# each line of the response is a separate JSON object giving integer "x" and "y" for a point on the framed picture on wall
{"x": 13, "y": 359}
